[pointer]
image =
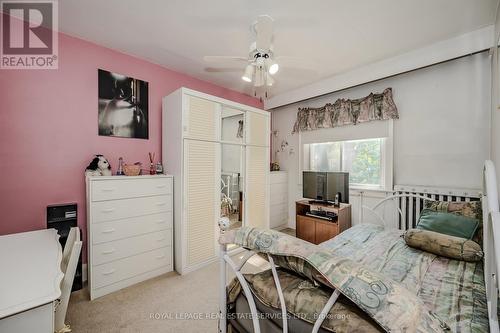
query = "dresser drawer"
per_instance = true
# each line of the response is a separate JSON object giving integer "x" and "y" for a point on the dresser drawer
{"x": 278, "y": 194}
{"x": 279, "y": 210}
{"x": 119, "y": 249}
{"x": 278, "y": 177}
{"x": 134, "y": 226}
{"x": 123, "y": 269}
{"x": 278, "y": 216}
{"x": 119, "y": 209}
{"x": 127, "y": 188}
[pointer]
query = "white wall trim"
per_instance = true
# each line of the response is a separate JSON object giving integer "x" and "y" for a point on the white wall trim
{"x": 387, "y": 159}
{"x": 468, "y": 43}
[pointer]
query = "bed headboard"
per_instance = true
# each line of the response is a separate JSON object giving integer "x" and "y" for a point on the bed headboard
{"x": 491, "y": 242}
{"x": 411, "y": 200}
{"x": 400, "y": 209}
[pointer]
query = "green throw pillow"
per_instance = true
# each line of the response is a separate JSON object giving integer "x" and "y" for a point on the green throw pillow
{"x": 447, "y": 223}
{"x": 471, "y": 209}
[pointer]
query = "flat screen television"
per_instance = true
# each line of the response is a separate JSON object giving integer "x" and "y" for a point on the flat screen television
{"x": 323, "y": 186}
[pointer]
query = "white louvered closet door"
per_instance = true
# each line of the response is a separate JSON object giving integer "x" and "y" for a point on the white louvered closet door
{"x": 202, "y": 119}
{"x": 202, "y": 200}
{"x": 257, "y": 170}
{"x": 257, "y": 196}
{"x": 258, "y": 133}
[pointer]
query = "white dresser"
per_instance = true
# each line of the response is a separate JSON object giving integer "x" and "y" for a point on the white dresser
{"x": 278, "y": 212}
{"x": 129, "y": 228}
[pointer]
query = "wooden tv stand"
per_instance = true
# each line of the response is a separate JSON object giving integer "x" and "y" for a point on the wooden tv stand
{"x": 317, "y": 230}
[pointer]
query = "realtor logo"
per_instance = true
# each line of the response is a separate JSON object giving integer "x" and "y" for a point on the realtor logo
{"x": 29, "y": 35}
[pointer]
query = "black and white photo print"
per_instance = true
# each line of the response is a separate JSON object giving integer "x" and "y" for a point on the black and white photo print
{"x": 123, "y": 106}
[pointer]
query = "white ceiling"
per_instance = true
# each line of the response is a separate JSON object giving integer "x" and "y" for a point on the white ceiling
{"x": 335, "y": 35}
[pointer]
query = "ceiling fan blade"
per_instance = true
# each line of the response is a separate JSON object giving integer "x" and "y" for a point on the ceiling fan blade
{"x": 222, "y": 70}
{"x": 224, "y": 59}
{"x": 286, "y": 61}
{"x": 264, "y": 30}
{"x": 299, "y": 71}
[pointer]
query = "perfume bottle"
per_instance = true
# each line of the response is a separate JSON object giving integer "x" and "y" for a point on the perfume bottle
{"x": 120, "y": 172}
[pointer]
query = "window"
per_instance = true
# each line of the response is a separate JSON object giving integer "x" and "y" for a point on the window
{"x": 363, "y": 159}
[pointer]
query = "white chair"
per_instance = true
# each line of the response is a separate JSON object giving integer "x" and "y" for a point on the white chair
{"x": 71, "y": 254}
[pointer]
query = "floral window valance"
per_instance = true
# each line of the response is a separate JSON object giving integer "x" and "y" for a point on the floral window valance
{"x": 347, "y": 112}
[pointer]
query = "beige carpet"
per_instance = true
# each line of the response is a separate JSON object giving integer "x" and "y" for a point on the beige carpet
{"x": 289, "y": 231}
{"x": 164, "y": 304}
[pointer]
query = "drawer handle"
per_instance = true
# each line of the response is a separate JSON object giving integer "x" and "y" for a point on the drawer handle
{"x": 108, "y": 272}
{"x": 161, "y": 203}
{"x": 108, "y": 251}
{"x": 108, "y": 189}
{"x": 160, "y": 256}
{"x": 160, "y": 186}
{"x": 161, "y": 221}
{"x": 160, "y": 239}
{"x": 108, "y": 231}
{"x": 108, "y": 210}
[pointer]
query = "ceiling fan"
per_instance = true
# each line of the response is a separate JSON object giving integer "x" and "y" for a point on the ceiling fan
{"x": 261, "y": 63}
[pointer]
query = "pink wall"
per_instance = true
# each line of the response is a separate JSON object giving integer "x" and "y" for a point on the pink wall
{"x": 48, "y": 128}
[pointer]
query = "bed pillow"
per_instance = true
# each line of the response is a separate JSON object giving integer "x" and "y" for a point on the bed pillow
{"x": 472, "y": 209}
{"x": 444, "y": 245}
{"x": 447, "y": 223}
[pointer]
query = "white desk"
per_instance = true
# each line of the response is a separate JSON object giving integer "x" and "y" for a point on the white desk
{"x": 30, "y": 277}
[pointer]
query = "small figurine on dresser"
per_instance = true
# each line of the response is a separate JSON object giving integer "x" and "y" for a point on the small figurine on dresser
{"x": 152, "y": 168}
{"x": 159, "y": 168}
{"x": 98, "y": 167}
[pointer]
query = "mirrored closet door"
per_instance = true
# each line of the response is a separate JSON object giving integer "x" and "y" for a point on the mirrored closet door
{"x": 232, "y": 165}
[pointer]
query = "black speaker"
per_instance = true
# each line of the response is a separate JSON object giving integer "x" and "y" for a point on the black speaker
{"x": 62, "y": 218}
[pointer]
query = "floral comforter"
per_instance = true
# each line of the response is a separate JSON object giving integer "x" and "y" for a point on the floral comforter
{"x": 398, "y": 287}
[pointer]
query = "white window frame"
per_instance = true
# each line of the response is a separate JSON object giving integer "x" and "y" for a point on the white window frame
{"x": 386, "y": 161}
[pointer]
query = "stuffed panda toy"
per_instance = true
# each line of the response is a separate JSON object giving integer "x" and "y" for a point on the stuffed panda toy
{"x": 98, "y": 167}
{"x": 224, "y": 224}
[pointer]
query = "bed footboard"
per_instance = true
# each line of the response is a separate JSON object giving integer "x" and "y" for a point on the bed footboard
{"x": 491, "y": 242}
{"x": 226, "y": 261}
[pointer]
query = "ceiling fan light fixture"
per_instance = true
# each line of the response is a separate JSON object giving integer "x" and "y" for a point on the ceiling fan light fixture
{"x": 269, "y": 80}
{"x": 247, "y": 76}
{"x": 259, "y": 77}
{"x": 272, "y": 66}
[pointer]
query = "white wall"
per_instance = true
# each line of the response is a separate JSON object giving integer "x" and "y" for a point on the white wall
{"x": 442, "y": 137}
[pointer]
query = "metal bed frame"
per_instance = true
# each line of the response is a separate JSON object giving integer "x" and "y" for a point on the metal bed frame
{"x": 491, "y": 230}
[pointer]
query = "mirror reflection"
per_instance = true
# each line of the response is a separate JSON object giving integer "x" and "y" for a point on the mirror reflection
{"x": 232, "y": 126}
{"x": 232, "y": 161}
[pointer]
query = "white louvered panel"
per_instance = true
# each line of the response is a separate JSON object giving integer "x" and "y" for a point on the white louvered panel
{"x": 257, "y": 187}
{"x": 202, "y": 118}
{"x": 403, "y": 210}
{"x": 410, "y": 212}
{"x": 411, "y": 204}
{"x": 417, "y": 210}
{"x": 200, "y": 203}
{"x": 257, "y": 129}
